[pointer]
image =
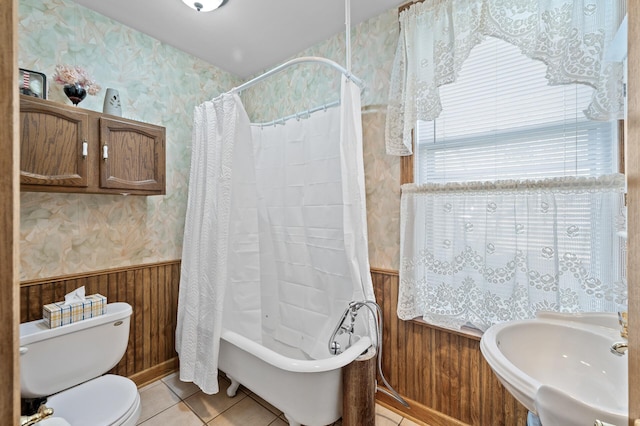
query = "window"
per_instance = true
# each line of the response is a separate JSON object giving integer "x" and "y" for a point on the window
{"x": 501, "y": 120}
{"x": 516, "y": 203}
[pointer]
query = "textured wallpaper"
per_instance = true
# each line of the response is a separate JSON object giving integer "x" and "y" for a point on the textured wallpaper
{"x": 382, "y": 183}
{"x": 304, "y": 86}
{"x": 70, "y": 233}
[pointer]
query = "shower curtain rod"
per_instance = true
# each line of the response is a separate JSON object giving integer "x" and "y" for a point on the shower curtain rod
{"x": 302, "y": 59}
{"x": 298, "y": 116}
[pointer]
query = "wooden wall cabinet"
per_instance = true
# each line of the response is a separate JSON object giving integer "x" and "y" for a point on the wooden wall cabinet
{"x": 133, "y": 156}
{"x": 68, "y": 149}
{"x": 52, "y": 141}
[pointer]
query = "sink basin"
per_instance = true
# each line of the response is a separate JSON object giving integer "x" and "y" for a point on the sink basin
{"x": 561, "y": 369}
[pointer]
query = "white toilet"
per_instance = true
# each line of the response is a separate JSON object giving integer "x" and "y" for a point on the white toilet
{"x": 66, "y": 364}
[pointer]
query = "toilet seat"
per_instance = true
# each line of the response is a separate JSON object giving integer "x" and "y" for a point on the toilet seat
{"x": 108, "y": 400}
{"x": 53, "y": 421}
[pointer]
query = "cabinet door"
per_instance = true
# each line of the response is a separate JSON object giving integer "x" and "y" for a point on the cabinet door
{"x": 53, "y": 145}
{"x": 133, "y": 156}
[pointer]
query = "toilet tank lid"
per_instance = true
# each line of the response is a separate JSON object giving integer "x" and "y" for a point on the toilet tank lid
{"x": 34, "y": 331}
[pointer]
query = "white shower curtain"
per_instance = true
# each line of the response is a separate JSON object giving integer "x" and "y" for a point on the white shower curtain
{"x": 313, "y": 250}
{"x": 275, "y": 239}
{"x": 221, "y": 134}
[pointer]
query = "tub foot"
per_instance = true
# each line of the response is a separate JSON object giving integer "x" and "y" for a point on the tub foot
{"x": 233, "y": 387}
{"x": 291, "y": 421}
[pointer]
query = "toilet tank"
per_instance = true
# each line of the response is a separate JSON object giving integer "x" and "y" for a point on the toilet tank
{"x": 54, "y": 359}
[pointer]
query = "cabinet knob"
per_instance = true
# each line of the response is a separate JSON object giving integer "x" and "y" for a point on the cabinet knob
{"x": 105, "y": 152}
{"x": 85, "y": 149}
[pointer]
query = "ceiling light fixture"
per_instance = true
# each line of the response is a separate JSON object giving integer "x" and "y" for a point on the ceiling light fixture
{"x": 204, "y": 5}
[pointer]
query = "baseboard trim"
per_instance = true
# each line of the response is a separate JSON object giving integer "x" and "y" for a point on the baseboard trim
{"x": 417, "y": 412}
{"x": 156, "y": 372}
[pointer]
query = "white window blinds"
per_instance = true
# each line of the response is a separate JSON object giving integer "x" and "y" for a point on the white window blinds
{"x": 501, "y": 120}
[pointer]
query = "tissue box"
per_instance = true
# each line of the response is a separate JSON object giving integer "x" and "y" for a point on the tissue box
{"x": 57, "y": 314}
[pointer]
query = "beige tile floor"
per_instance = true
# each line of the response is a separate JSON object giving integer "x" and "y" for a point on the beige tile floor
{"x": 169, "y": 401}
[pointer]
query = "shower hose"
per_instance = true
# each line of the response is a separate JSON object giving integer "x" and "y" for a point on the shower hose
{"x": 352, "y": 311}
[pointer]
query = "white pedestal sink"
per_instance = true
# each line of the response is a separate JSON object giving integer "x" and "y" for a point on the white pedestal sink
{"x": 561, "y": 367}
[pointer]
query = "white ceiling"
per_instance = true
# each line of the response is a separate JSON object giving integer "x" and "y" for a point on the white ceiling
{"x": 243, "y": 37}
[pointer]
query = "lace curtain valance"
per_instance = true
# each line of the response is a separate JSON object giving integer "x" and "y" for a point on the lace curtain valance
{"x": 436, "y": 36}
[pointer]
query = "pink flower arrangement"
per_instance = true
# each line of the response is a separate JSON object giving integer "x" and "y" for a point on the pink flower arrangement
{"x": 68, "y": 74}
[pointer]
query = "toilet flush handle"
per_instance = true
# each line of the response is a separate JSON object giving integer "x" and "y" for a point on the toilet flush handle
{"x": 23, "y": 350}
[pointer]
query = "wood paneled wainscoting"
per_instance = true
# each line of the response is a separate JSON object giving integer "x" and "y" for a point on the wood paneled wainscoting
{"x": 151, "y": 290}
{"x": 442, "y": 373}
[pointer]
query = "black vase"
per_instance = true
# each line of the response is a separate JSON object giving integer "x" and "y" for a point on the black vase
{"x": 75, "y": 93}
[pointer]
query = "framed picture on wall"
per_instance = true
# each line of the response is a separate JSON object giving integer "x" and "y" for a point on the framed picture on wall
{"x": 33, "y": 83}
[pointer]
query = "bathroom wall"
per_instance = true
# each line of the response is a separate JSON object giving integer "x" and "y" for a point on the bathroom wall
{"x": 71, "y": 233}
{"x": 67, "y": 233}
{"x": 134, "y": 243}
{"x": 373, "y": 45}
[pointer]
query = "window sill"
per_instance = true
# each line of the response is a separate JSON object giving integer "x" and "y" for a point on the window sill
{"x": 467, "y": 332}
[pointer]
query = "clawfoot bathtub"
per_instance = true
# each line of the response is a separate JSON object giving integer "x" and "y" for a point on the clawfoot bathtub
{"x": 307, "y": 391}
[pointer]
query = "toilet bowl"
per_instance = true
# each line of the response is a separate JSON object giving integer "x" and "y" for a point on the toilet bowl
{"x": 66, "y": 365}
{"x": 108, "y": 400}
